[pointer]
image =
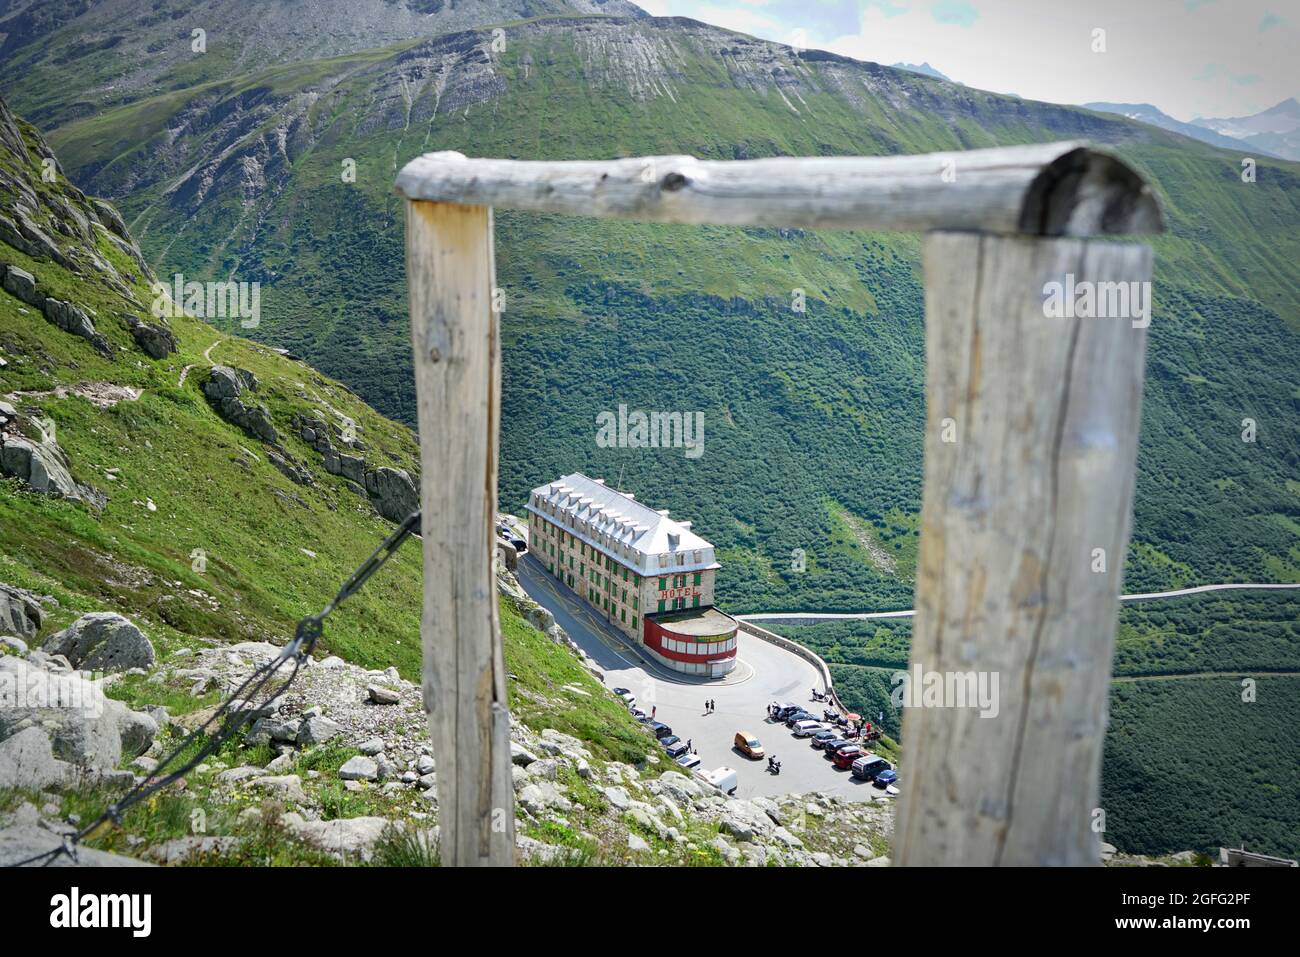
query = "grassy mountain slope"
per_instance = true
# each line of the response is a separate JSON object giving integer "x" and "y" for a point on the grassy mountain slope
{"x": 212, "y": 487}
{"x": 808, "y": 416}
{"x": 116, "y": 51}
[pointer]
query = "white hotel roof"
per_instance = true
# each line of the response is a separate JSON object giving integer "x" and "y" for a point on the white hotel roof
{"x": 616, "y": 523}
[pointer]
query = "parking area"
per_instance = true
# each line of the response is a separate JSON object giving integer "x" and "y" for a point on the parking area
{"x": 764, "y": 674}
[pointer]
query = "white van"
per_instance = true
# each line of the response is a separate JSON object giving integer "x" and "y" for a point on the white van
{"x": 724, "y": 779}
{"x": 805, "y": 729}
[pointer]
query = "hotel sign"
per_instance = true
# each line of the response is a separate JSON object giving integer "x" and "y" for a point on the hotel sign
{"x": 688, "y": 591}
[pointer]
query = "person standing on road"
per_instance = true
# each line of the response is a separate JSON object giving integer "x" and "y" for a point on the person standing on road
{"x": 654, "y": 710}
{"x": 689, "y": 746}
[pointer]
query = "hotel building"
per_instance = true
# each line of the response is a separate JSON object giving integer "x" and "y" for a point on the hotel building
{"x": 648, "y": 575}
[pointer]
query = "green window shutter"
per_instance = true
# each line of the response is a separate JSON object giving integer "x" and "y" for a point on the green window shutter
{"x": 663, "y": 583}
{"x": 696, "y": 602}
{"x": 661, "y": 606}
{"x": 698, "y": 576}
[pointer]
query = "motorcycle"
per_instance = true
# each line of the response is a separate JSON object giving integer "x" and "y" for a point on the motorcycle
{"x": 773, "y": 766}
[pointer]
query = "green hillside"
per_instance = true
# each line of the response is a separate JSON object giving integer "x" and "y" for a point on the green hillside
{"x": 1188, "y": 763}
{"x": 812, "y": 419}
{"x": 274, "y": 550}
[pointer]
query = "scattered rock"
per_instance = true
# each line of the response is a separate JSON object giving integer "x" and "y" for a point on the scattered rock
{"x": 20, "y": 612}
{"x": 287, "y": 787}
{"x": 381, "y": 695}
{"x": 359, "y": 768}
{"x": 318, "y": 730}
{"x": 181, "y": 850}
{"x": 352, "y": 838}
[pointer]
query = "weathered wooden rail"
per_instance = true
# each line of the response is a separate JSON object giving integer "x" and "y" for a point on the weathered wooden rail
{"x": 1031, "y": 437}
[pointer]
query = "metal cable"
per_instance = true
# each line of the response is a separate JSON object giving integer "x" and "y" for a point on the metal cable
{"x": 298, "y": 650}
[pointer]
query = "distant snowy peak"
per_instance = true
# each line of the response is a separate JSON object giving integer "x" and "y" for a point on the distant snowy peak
{"x": 924, "y": 69}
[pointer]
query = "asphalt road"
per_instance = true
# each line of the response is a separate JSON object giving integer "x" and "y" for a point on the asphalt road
{"x": 814, "y": 617}
{"x": 763, "y": 674}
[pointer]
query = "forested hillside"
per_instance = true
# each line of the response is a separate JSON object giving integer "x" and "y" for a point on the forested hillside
{"x": 812, "y": 419}
{"x": 1196, "y": 757}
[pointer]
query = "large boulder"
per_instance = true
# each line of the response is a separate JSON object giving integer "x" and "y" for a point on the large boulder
{"x": 392, "y": 493}
{"x": 224, "y": 388}
{"x": 27, "y": 761}
{"x": 21, "y": 843}
{"x": 352, "y": 838}
{"x": 84, "y": 726}
{"x": 22, "y": 284}
{"x": 21, "y": 613}
{"x": 156, "y": 341}
{"x": 102, "y": 641}
{"x": 37, "y": 459}
{"x": 75, "y": 320}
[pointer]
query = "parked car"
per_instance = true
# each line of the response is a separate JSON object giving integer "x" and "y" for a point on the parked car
{"x": 797, "y": 716}
{"x": 823, "y": 737}
{"x": 786, "y": 710}
{"x": 868, "y": 766}
{"x": 676, "y": 749}
{"x": 669, "y": 741}
{"x": 620, "y": 691}
{"x": 639, "y": 714}
{"x": 748, "y": 745}
{"x": 807, "y": 728}
{"x": 689, "y": 760}
{"x": 628, "y": 697}
{"x": 660, "y": 729}
{"x": 833, "y": 745}
{"x": 846, "y": 755}
{"x": 885, "y": 778}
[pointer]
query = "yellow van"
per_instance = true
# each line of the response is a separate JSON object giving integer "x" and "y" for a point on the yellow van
{"x": 748, "y": 745}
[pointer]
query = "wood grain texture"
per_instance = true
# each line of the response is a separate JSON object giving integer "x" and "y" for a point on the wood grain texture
{"x": 455, "y": 335}
{"x": 1063, "y": 189}
{"x": 1041, "y": 472}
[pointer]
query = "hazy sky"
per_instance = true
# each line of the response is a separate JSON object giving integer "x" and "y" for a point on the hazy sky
{"x": 1191, "y": 58}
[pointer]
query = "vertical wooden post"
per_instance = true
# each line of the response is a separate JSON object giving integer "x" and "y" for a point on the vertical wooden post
{"x": 455, "y": 335}
{"x": 1031, "y": 438}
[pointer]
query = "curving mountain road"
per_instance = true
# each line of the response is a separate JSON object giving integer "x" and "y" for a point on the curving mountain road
{"x": 800, "y": 617}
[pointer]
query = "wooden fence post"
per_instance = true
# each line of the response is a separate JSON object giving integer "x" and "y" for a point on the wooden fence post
{"x": 1031, "y": 439}
{"x": 455, "y": 335}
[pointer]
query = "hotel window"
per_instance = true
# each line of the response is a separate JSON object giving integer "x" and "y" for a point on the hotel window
{"x": 634, "y": 621}
{"x": 695, "y": 602}
{"x": 663, "y": 583}
{"x": 698, "y": 576}
{"x": 661, "y": 605}
{"x": 622, "y": 615}
{"x": 634, "y": 602}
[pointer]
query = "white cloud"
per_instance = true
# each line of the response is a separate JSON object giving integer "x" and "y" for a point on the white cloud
{"x": 1188, "y": 57}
